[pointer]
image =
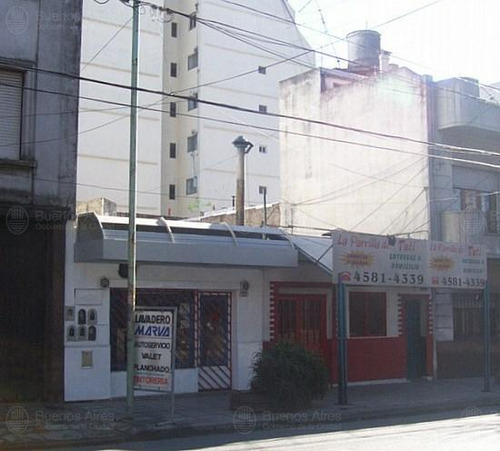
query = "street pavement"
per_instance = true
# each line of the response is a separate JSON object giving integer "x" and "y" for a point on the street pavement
{"x": 31, "y": 426}
{"x": 419, "y": 433}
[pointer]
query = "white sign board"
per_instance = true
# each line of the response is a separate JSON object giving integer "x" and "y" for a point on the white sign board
{"x": 376, "y": 260}
{"x": 154, "y": 332}
{"x": 453, "y": 265}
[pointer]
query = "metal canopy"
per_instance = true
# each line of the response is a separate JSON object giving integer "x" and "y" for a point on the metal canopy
{"x": 104, "y": 239}
{"x": 315, "y": 249}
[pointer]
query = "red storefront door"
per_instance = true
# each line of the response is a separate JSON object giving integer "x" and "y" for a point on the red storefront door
{"x": 301, "y": 318}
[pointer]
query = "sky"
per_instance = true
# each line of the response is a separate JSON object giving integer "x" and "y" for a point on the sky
{"x": 446, "y": 39}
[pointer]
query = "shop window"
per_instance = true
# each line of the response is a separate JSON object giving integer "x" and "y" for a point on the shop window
{"x": 182, "y": 299}
{"x": 367, "y": 314}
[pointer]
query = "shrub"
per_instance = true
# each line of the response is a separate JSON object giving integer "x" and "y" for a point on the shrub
{"x": 289, "y": 376}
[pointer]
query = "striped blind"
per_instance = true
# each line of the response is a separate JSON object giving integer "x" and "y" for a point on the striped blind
{"x": 11, "y": 93}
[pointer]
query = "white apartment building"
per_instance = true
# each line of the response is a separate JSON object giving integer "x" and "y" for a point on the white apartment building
{"x": 233, "y": 53}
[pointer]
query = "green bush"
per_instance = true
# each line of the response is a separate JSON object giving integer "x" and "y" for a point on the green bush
{"x": 289, "y": 376}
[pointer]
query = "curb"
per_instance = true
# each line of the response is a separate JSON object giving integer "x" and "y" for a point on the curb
{"x": 184, "y": 431}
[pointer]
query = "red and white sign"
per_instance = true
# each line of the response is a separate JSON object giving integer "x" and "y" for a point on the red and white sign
{"x": 376, "y": 260}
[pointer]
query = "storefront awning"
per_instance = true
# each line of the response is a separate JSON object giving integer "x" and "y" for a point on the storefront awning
{"x": 315, "y": 249}
{"x": 105, "y": 239}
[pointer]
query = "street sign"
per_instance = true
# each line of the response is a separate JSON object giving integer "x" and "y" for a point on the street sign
{"x": 154, "y": 333}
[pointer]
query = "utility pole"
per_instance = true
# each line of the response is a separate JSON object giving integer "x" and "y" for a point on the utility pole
{"x": 243, "y": 147}
{"x": 132, "y": 211}
{"x": 264, "y": 193}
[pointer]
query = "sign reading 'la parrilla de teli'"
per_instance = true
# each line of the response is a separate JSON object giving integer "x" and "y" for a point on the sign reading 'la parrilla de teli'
{"x": 364, "y": 259}
{"x": 154, "y": 332}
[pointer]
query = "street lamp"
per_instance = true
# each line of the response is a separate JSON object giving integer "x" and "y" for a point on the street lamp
{"x": 243, "y": 147}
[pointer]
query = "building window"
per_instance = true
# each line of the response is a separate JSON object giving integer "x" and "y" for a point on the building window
{"x": 262, "y": 149}
{"x": 193, "y": 102}
{"x": 171, "y": 192}
{"x": 173, "y": 150}
{"x": 367, "y": 314}
{"x": 262, "y": 189}
{"x": 173, "y": 29}
{"x": 173, "y": 109}
{"x": 11, "y": 98}
{"x": 184, "y": 300}
{"x": 478, "y": 207}
{"x": 468, "y": 317}
{"x": 262, "y": 109}
{"x": 173, "y": 70}
{"x": 262, "y": 70}
{"x": 192, "y": 142}
{"x": 192, "y": 21}
{"x": 191, "y": 185}
{"x": 193, "y": 59}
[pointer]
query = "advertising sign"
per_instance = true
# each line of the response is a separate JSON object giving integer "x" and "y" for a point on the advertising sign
{"x": 154, "y": 332}
{"x": 376, "y": 260}
{"x": 453, "y": 265}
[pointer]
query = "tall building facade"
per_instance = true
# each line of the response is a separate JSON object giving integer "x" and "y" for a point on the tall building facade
{"x": 388, "y": 153}
{"x": 38, "y": 134}
{"x": 215, "y": 51}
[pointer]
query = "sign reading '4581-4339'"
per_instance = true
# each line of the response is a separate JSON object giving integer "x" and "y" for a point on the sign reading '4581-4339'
{"x": 154, "y": 332}
{"x": 364, "y": 259}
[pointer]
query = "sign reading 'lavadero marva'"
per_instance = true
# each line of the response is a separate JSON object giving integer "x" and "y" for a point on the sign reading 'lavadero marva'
{"x": 154, "y": 332}
{"x": 364, "y": 259}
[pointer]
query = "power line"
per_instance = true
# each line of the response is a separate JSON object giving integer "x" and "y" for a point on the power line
{"x": 252, "y": 111}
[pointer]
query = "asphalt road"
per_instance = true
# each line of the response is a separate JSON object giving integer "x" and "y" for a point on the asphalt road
{"x": 420, "y": 433}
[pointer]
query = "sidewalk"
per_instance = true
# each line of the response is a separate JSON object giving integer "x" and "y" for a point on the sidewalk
{"x": 31, "y": 426}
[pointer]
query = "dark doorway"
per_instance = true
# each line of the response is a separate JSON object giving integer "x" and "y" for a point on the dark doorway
{"x": 416, "y": 344}
{"x": 31, "y": 304}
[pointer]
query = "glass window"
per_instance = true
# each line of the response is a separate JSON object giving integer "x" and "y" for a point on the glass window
{"x": 192, "y": 142}
{"x": 367, "y": 314}
{"x": 173, "y": 150}
{"x": 173, "y": 70}
{"x": 182, "y": 299}
{"x": 173, "y": 29}
{"x": 11, "y": 97}
{"x": 191, "y": 186}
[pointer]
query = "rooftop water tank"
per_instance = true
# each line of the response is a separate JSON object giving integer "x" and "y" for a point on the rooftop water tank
{"x": 363, "y": 50}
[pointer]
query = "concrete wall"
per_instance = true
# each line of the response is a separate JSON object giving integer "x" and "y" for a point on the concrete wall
{"x": 43, "y": 36}
{"x": 327, "y": 183}
{"x": 103, "y": 148}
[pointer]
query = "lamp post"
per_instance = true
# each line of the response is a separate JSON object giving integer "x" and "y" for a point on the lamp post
{"x": 243, "y": 147}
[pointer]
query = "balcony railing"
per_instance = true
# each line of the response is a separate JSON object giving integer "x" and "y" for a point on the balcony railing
{"x": 462, "y": 226}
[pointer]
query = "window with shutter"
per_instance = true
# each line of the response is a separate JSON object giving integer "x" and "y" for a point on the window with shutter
{"x": 11, "y": 96}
